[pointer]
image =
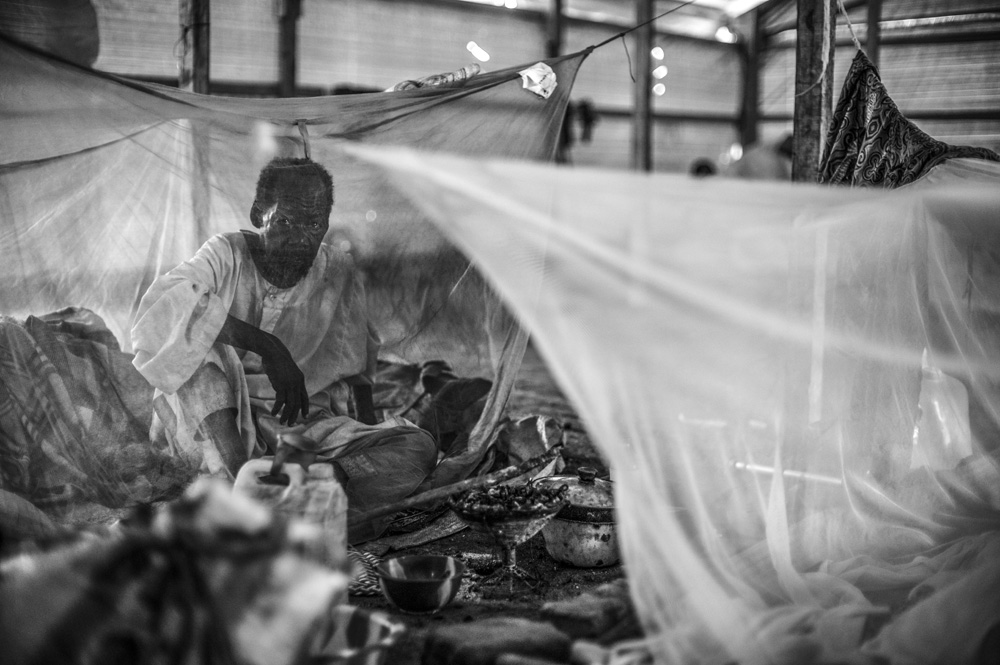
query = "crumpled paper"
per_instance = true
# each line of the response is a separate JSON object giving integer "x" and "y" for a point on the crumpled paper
{"x": 539, "y": 79}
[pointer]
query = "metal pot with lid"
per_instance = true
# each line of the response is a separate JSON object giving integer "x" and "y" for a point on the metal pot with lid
{"x": 583, "y": 533}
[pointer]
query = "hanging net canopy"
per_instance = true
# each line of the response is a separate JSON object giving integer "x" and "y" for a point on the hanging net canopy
{"x": 797, "y": 388}
{"x": 108, "y": 184}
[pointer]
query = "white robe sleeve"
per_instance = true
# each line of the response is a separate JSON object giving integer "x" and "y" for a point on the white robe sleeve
{"x": 181, "y": 314}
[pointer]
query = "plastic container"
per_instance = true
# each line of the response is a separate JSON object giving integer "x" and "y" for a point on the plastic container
{"x": 942, "y": 436}
{"x": 313, "y": 496}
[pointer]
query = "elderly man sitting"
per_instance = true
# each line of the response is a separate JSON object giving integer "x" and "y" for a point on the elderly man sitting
{"x": 264, "y": 333}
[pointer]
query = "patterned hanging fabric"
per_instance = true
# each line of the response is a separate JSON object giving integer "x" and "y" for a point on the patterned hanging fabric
{"x": 872, "y": 144}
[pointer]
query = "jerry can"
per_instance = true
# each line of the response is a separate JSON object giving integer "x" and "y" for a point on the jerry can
{"x": 303, "y": 490}
{"x": 942, "y": 436}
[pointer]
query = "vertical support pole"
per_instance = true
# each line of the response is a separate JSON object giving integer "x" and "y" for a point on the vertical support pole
{"x": 288, "y": 47}
{"x": 553, "y": 49}
{"x": 554, "y": 42}
{"x": 194, "y": 77}
{"x": 750, "y": 49}
{"x": 194, "y": 67}
{"x": 642, "y": 153}
{"x": 873, "y": 38}
{"x": 193, "y": 70}
{"x": 814, "y": 50}
{"x": 815, "y": 26}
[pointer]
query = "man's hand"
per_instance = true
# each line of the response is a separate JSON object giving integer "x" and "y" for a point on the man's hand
{"x": 285, "y": 376}
{"x": 290, "y": 396}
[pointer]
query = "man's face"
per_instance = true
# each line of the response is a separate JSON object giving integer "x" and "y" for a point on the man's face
{"x": 293, "y": 226}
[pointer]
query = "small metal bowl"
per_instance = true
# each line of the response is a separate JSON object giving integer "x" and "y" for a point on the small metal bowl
{"x": 420, "y": 583}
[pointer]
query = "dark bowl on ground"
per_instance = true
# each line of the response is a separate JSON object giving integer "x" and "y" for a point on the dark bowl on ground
{"x": 420, "y": 583}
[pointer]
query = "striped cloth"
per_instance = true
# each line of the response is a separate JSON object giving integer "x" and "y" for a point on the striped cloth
{"x": 74, "y": 423}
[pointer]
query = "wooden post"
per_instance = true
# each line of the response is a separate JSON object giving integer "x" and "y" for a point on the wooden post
{"x": 194, "y": 77}
{"x": 815, "y": 28}
{"x": 750, "y": 49}
{"x": 642, "y": 153}
{"x": 288, "y": 47}
{"x": 874, "y": 34}
{"x": 194, "y": 23}
{"x": 554, "y": 43}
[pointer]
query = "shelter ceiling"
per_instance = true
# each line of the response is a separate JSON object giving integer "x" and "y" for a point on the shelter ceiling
{"x": 700, "y": 18}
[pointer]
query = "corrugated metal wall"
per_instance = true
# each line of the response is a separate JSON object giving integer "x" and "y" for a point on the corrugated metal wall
{"x": 377, "y": 43}
{"x": 702, "y": 79}
{"x": 925, "y": 79}
{"x": 137, "y": 37}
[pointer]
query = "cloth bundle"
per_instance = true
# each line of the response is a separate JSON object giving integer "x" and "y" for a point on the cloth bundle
{"x": 210, "y": 578}
{"x": 74, "y": 422}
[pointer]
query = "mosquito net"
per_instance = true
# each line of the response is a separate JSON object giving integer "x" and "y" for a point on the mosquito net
{"x": 796, "y": 387}
{"x": 106, "y": 184}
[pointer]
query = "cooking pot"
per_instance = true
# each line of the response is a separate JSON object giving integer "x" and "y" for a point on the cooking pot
{"x": 583, "y": 533}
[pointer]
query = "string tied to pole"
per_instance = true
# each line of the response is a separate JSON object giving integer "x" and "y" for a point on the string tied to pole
{"x": 850, "y": 28}
{"x": 826, "y": 58}
{"x": 304, "y": 133}
{"x": 621, "y": 35}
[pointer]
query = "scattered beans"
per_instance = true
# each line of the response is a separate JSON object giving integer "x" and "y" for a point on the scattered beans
{"x": 506, "y": 501}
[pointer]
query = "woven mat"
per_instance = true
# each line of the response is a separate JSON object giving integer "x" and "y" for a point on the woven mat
{"x": 364, "y": 579}
{"x": 445, "y": 525}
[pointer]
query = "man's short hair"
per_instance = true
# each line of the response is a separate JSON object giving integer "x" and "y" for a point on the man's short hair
{"x": 301, "y": 174}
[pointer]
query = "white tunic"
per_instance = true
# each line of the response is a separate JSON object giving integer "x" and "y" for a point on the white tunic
{"x": 323, "y": 320}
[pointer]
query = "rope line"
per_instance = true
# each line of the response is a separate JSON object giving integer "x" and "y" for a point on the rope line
{"x": 628, "y": 56}
{"x": 636, "y": 27}
{"x": 304, "y": 132}
{"x": 843, "y": 10}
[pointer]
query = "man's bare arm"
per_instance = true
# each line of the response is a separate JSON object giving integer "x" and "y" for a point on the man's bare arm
{"x": 286, "y": 378}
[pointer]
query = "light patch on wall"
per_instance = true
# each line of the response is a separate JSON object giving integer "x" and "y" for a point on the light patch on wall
{"x": 477, "y": 51}
{"x": 265, "y": 143}
{"x": 660, "y": 71}
{"x": 657, "y": 53}
{"x": 371, "y": 216}
{"x": 659, "y": 89}
{"x": 724, "y": 34}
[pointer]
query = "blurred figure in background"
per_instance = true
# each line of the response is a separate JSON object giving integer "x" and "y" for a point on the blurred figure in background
{"x": 770, "y": 160}
{"x": 702, "y": 168}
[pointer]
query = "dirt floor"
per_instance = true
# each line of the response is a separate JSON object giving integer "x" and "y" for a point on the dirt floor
{"x": 535, "y": 394}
